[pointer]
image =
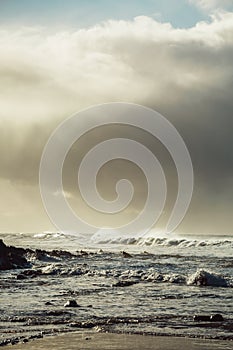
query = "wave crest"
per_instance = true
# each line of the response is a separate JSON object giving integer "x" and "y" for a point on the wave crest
{"x": 164, "y": 241}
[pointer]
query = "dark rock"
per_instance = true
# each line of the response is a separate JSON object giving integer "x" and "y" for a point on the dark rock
{"x": 55, "y": 313}
{"x": 83, "y": 253}
{"x": 48, "y": 303}
{"x": 21, "y": 276}
{"x": 84, "y": 324}
{"x": 53, "y": 256}
{"x": 88, "y": 324}
{"x": 5, "y": 342}
{"x": 71, "y": 303}
{"x": 198, "y": 318}
{"x": 40, "y": 255}
{"x": 126, "y": 255}
{"x": 11, "y": 257}
{"x": 43, "y": 255}
{"x": 205, "y": 278}
{"x": 29, "y": 273}
{"x": 76, "y": 272}
{"x": 17, "y": 319}
{"x": 14, "y": 340}
{"x": 36, "y": 336}
{"x": 61, "y": 254}
{"x": 123, "y": 283}
{"x": 216, "y": 318}
{"x": 201, "y": 280}
{"x": 75, "y": 324}
{"x": 206, "y": 318}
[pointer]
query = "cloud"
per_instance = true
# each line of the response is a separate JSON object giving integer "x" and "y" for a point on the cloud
{"x": 212, "y": 4}
{"x": 187, "y": 74}
{"x": 52, "y": 74}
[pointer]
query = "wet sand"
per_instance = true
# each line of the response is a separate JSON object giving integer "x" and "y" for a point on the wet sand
{"x": 109, "y": 341}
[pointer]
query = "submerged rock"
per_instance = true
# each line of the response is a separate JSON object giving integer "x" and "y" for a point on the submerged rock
{"x": 11, "y": 257}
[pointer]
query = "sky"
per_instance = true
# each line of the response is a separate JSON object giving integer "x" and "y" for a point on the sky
{"x": 79, "y": 14}
{"x": 58, "y": 57}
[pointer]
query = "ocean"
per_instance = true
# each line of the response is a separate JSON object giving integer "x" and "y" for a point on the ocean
{"x": 157, "y": 285}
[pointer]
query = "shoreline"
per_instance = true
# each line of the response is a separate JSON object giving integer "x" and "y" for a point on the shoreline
{"x": 19, "y": 341}
{"x": 46, "y": 292}
{"x": 116, "y": 341}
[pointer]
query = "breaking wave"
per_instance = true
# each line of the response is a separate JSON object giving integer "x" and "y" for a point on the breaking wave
{"x": 166, "y": 241}
{"x": 113, "y": 238}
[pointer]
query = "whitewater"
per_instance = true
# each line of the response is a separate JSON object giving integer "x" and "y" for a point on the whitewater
{"x": 151, "y": 285}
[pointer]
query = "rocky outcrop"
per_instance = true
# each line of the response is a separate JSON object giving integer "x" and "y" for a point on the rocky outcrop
{"x": 11, "y": 257}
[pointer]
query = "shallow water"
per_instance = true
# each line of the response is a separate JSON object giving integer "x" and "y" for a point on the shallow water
{"x": 154, "y": 290}
{"x": 97, "y": 341}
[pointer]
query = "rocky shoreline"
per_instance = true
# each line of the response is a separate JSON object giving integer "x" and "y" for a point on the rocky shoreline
{"x": 12, "y": 257}
{"x": 18, "y": 258}
{"x": 61, "y": 311}
{"x": 97, "y": 325}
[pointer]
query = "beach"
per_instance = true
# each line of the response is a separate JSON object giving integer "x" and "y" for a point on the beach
{"x": 109, "y": 341}
{"x": 116, "y": 175}
{"x": 161, "y": 297}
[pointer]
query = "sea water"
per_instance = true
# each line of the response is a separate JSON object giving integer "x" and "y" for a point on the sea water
{"x": 155, "y": 287}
